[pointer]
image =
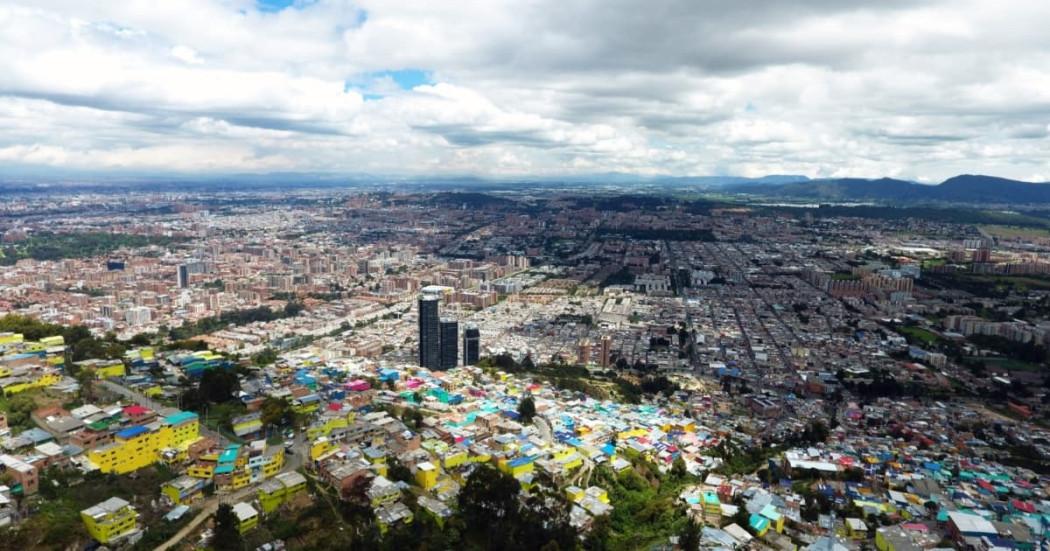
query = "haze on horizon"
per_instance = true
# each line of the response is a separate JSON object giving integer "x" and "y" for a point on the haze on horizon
{"x": 920, "y": 90}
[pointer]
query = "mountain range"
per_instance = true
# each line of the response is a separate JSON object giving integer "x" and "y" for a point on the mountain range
{"x": 966, "y": 188}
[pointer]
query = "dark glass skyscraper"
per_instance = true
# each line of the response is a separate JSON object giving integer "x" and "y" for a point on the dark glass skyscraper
{"x": 429, "y": 333}
{"x": 449, "y": 343}
{"x": 471, "y": 345}
{"x": 184, "y": 276}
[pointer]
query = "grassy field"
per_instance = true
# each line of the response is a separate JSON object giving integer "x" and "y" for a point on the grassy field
{"x": 1011, "y": 232}
{"x": 985, "y": 284}
{"x": 1007, "y": 364}
{"x": 918, "y": 334}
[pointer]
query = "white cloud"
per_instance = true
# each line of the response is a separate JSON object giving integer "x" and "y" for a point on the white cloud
{"x": 904, "y": 88}
{"x": 186, "y": 54}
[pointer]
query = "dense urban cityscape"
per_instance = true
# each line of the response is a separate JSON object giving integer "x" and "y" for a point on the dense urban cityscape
{"x": 541, "y": 275}
{"x": 327, "y": 368}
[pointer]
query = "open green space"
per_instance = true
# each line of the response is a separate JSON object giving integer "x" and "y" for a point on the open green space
{"x": 1011, "y": 232}
{"x": 56, "y": 523}
{"x": 645, "y": 502}
{"x": 918, "y": 335}
{"x": 1007, "y": 364}
{"x": 56, "y": 246}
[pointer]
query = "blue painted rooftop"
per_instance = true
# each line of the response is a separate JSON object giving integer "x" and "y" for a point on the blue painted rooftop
{"x": 521, "y": 461}
{"x": 131, "y": 432}
{"x": 228, "y": 455}
{"x": 180, "y": 417}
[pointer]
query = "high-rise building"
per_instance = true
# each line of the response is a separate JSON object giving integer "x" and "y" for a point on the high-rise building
{"x": 184, "y": 276}
{"x": 138, "y": 315}
{"x": 429, "y": 333}
{"x": 606, "y": 350}
{"x": 449, "y": 343}
{"x": 471, "y": 345}
{"x": 583, "y": 353}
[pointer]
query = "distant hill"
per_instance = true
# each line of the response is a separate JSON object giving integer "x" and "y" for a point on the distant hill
{"x": 959, "y": 189}
{"x": 716, "y": 182}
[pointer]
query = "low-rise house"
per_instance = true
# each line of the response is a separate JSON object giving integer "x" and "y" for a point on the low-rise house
{"x": 112, "y": 521}
{"x": 247, "y": 517}
{"x": 272, "y": 493}
{"x": 392, "y": 514}
{"x": 183, "y": 490}
{"x": 383, "y": 492}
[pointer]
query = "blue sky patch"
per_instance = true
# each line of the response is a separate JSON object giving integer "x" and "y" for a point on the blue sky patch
{"x": 274, "y": 6}
{"x": 377, "y": 85}
{"x": 406, "y": 79}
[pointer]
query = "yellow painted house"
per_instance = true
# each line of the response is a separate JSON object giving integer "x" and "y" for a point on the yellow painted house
{"x": 272, "y": 464}
{"x": 325, "y": 428}
{"x": 110, "y": 369}
{"x": 247, "y": 517}
{"x": 320, "y": 447}
{"x": 29, "y": 381}
{"x": 454, "y": 458}
{"x": 201, "y": 470}
{"x": 426, "y": 475}
{"x": 53, "y": 341}
{"x": 183, "y": 490}
{"x": 110, "y": 520}
{"x": 633, "y": 433}
{"x": 140, "y": 446}
{"x": 568, "y": 459}
{"x": 273, "y": 493}
{"x": 7, "y": 338}
{"x": 518, "y": 466}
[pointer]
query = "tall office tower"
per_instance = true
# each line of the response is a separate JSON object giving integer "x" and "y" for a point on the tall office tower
{"x": 471, "y": 345}
{"x": 184, "y": 276}
{"x": 983, "y": 253}
{"x": 449, "y": 343}
{"x": 429, "y": 333}
{"x": 583, "y": 353}
{"x": 606, "y": 350}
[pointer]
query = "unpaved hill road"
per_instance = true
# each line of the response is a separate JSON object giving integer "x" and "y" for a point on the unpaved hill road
{"x": 208, "y": 508}
{"x": 175, "y": 540}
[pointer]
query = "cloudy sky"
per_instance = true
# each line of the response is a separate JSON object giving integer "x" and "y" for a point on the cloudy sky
{"x": 906, "y": 88}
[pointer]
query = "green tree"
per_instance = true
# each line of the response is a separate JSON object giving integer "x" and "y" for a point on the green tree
{"x": 275, "y": 411}
{"x": 266, "y": 356}
{"x": 292, "y": 309}
{"x": 597, "y": 538}
{"x": 527, "y": 409}
{"x": 689, "y": 538}
{"x": 545, "y": 518}
{"x": 488, "y": 500}
{"x": 218, "y": 385}
{"x": 678, "y": 467}
{"x": 19, "y": 409}
{"x": 86, "y": 379}
{"x": 398, "y": 471}
{"x": 226, "y": 536}
{"x": 141, "y": 339}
